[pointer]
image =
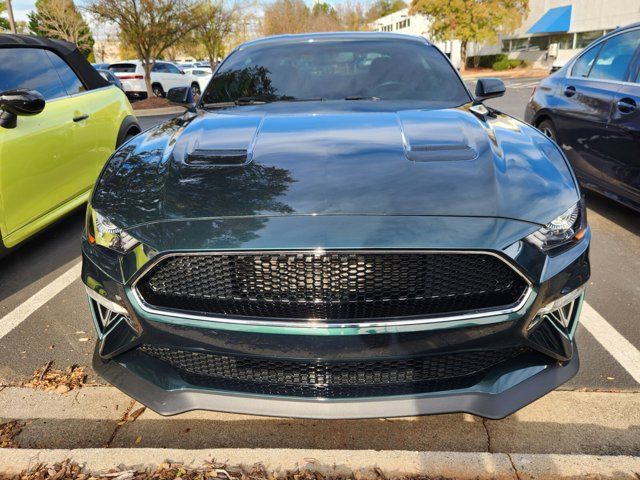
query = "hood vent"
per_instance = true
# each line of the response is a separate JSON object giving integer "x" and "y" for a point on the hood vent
{"x": 217, "y": 158}
{"x": 441, "y": 152}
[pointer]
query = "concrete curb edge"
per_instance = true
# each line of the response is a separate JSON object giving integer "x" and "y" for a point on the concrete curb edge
{"x": 363, "y": 464}
{"x": 154, "y": 112}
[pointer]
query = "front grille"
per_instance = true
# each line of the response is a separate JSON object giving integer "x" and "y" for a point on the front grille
{"x": 321, "y": 379}
{"x": 332, "y": 285}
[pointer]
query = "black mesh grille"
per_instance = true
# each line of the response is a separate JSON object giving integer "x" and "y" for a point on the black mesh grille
{"x": 332, "y": 285}
{"x": 333, "y": 379}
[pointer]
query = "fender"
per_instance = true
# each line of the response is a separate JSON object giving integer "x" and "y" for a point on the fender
{"x": 129, "y": 124}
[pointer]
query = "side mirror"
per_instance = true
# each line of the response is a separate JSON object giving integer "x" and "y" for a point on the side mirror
{"x": 182, "y": 96}
{"x": 19, "y": 102}
{"x": 489, "y": 88}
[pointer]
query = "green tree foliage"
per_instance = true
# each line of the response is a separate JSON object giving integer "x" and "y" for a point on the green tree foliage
{"x": 150, "y": 27}
{"x": 471, "y": 20}
{"x": 381, "y": 8}
{"x": 61, "y": 19}
{"x": 4, "y": 22}
{"x": 294, "y": 16}
{"x": 219, "y": 21}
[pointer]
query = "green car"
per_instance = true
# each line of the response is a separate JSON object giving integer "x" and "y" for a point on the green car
{"x": 59, "y": 122}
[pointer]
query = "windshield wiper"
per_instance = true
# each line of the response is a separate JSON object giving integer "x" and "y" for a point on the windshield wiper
{"x": 311, "y": 99}
{"x": 251, "y": 101}
{"x": 362, "y": 97}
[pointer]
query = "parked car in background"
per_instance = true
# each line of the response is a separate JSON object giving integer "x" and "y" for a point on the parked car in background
{"x": 324, "y": 237}
{"x": 202, "y": 74}
{"x": 591, "y": 108}
{"x": 59, "y": 122}
{"x": 111, "y": 78}
{"x": 100, "y": 66}
{"x": 164, "y": 76}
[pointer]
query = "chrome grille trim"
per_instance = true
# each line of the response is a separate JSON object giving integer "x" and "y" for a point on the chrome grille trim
{"x": 312, "y": 323}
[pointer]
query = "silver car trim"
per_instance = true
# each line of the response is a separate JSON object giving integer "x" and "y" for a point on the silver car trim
{"x": 313, "y": 323}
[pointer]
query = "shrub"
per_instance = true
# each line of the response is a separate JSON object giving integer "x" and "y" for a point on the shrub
{"x": 514, "y": 62}
{"x": 485, "y": 61}
{"x": 501, "y": 65}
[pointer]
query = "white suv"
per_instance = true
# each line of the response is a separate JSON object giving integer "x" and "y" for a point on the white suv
{"x": 164, "y": 76}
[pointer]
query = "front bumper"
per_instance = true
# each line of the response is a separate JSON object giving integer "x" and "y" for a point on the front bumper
{"x": 498, "y": 395}
{"x": 504, "y": 388}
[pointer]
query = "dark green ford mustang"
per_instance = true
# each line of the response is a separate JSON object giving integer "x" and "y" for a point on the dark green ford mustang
{"x": 338, "y": 229}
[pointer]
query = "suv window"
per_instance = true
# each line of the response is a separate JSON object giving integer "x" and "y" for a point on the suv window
{"x": 29, "y": 68}
{"x": 173, "y": 68}
{"x": 123, "y": 67}
{"x": 615, "y": 56}
{"x": 583, "y": 65}
{"x": 69, "y": 79}
{"x": 160, "y": 67}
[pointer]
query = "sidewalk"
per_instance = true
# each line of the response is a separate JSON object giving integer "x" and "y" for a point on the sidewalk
{"x": 565, "y": 434}
{"x": 563, "y": 422}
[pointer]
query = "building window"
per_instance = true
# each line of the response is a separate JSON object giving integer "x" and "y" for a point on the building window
{"x": 537, "y": 44}
{"x": 519, "y": 44}
{"x": 506, "y": 45}
{"x": 564, "y": 42}
{"x": 585, "y": 38}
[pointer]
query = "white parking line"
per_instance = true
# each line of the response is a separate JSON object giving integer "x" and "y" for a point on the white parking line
{"x": 16, "y": 316}
{"x": 619, "y": 347}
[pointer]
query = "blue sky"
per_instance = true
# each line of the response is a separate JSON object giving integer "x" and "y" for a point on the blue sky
{"x": 21, "y": 8}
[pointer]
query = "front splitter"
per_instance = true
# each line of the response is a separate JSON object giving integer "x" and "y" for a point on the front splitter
{"x": 493, "y": 398}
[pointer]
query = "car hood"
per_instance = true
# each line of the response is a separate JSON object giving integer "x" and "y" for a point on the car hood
{"x": 317, "y": 160}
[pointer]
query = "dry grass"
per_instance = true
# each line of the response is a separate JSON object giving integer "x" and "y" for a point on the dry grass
{"x": 171, "y": 471}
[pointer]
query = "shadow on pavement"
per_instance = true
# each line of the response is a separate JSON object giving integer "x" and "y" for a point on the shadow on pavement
{"x": 41, "y": 255}
{"x": 621, "y": 215}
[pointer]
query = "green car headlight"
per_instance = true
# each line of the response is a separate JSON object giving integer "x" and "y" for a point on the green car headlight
{"x": 568, "y": 227}
{"x": 101, "y": 231}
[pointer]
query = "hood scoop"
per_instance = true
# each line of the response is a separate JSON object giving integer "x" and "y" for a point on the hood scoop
{"x": 438, "y": 136}
{"x": 217, "y": 157}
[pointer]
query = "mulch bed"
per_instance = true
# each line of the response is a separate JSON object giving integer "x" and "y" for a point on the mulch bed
{"x": 153, "y": 102}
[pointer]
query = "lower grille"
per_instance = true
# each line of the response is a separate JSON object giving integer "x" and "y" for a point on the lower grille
{"x": 332, "y": 285}
{"x": 321, "y": 379}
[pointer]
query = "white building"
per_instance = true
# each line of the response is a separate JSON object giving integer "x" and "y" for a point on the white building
{"x": 402, "y": 22}
{"x": 552, "y": 32}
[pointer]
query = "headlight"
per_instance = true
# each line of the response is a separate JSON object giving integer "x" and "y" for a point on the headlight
{"x": 100, "y": 231}
{"x": 568, "y": 227}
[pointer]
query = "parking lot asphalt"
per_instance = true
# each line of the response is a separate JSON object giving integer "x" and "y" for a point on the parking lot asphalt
{"x": 44, "y": 314}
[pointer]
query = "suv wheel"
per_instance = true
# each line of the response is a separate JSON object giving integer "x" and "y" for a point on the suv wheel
{"x": 548, "y": 128}
{"x": 157, "y": 90}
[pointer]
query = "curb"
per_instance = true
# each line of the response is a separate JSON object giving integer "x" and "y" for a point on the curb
{"x": 361, "y": 464}
{"x": 154, "y": 112}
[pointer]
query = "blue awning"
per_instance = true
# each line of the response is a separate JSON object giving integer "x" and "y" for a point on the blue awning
{"x": 554, "y": 20}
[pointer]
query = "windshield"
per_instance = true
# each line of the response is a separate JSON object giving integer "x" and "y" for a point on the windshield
{"x": 337, "y": 70}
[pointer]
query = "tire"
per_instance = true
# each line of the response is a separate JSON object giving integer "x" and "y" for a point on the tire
{"x": 549, "y": 129}
{"x": 157, "y": 90}
{"x": 195, "y": 89}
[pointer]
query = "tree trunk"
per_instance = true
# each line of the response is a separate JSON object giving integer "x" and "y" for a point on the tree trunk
{"x": 463, "y": 56}
{"x": 12, "y": 22}
{"x": 148, "y": 66}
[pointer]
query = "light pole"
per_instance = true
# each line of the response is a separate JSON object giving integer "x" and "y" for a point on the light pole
{"x": 12, "y": 22}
